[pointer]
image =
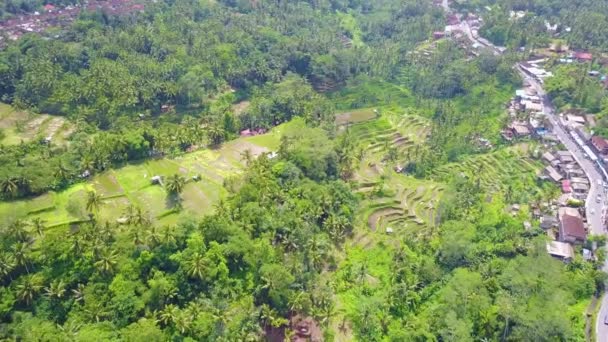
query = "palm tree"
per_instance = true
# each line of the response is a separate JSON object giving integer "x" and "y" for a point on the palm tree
{"x": 94, "y": 201}
{"x": 61, "y": 173}
{"x": 168, "y": 235}
{"x": 136, "y": 216}
{"x": 195, "y": 266}
{"x": 107, "y": 261}
{"x": 28, "y": 288}
{"x": 38, "y": 225}
{"x": 183, "y": 321}
{"x": 168, "y": 315}
{"x": 216, "y": 134}
{"x": 175, "y": 184}
{"x": 56, "y": 290}
{"x": 247, "y": 156}
{"x": 7, "y": 264}
{"x": 153, "y": 236}
{"x": 78, "y": 293}
{"x": 20, "y": 251}
{"x": 9, "y": 186}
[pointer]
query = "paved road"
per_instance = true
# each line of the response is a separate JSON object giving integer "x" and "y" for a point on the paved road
{"x": 594, "y": 207}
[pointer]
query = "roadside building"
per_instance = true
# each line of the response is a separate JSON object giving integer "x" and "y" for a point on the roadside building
{"x": 565, "y": 157}
{"x": 560, "y": 250}
{"x": 599, "y": 144}
{"x": 572, "y": 229}
{"x": 552, "y": 173}
{"x": 580, "y": 188}
{"x": 519, "y": 129}
{"x": 581, "y": 180}
{"x": 548, "y": 157}
{"x": 566, "y": 188}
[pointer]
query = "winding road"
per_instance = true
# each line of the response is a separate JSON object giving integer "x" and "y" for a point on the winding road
{"x": 596, "y": 199}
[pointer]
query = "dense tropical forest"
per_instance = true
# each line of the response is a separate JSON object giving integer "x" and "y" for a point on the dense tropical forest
{"x": 178, "y": 89}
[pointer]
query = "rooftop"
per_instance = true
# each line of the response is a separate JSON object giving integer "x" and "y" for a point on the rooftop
{"x": 560, "y": 249}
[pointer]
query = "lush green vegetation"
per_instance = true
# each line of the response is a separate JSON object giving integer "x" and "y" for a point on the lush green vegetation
{"x": 385, "y": 221}
{"x": 582, "y": 23}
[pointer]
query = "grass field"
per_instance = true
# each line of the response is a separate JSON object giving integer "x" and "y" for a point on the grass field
{"x": 18, "y": 126}
{"x": 131, "y": 185}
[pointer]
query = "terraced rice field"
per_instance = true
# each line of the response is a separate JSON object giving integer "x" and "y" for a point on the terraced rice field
{"x": 405, "y": 204}
{"x": 410, "y": 205}
{"x": 494, "y": 170}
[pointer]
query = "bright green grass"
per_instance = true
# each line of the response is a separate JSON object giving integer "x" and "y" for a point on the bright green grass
{"x": 130, "y": 185}
{"x": 354, "y": 116}
{"x": 18, "y": 126}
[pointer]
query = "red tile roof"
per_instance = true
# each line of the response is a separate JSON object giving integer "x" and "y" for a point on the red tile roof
{"x": 585, "y": 56}
{"x": 566, "y": 186}
{"x": 599, "y": 142}
{"x": 573, "y": 227}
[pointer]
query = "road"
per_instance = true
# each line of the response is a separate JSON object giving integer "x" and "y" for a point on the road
{"x": 594, "y": 208}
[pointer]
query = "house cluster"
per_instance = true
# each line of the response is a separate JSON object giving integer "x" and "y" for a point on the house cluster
{"x": 535, "y": 69}
{"x": 565, "y": 223}
{"x": 526, "y": 117}
{"x": 56, "y": 16}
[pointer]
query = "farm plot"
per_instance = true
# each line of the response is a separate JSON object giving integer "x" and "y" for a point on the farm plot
{"x": 404, "y": 203}
{"x": 18, "y": 126}
{"x": 204, "y": 171}
{"x": 495, "y": 171}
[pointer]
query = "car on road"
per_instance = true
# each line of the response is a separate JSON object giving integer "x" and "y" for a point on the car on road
{"x": 606, "y": 319}
{"x": 592, "y": 211}
{"x": 598, "y": 198}
{"x": 599, "y": 182}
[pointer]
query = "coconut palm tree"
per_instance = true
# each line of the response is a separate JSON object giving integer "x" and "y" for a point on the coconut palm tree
{"x": 107, "y": 261}
{"x": 175, "y": 184}
{"x": 195, "y": 266}
{"x": 153, "y": 236}
{"x": 78, "y": 293}
{"x": 7, "y": 264}
{"x": 61, "y": 173}
{"x": 28, "y": 288}
{"x": 94, "y": 201}
{"x": 168, "y": 314}
{"x": 56, "y": 290}
{"x": 38, "y": 225}
{"x": 9, "y": 186}
{"x": 20, "y": 252}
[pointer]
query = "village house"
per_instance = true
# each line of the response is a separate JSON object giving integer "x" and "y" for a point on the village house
{"x": 571, "y": 226}
{"x": 560, "y": 250}
{"x": 583, "y": 56}
{"x": 558, "y": 48}
{"x": 438, "y": 35}
{"x": 548, "y": 157}
{"x": 579, "y": 180}
{"x": 565, "y": 157}
{"x": 548, "y": 222}
{"x": 566, "y": 188}
{"x": 519, "y": 129}
{"x": 553, "y": 174}
{"x": 600, "y": 145}
{"x": 580, "y": 188}
{"x": 572, "y": 229}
